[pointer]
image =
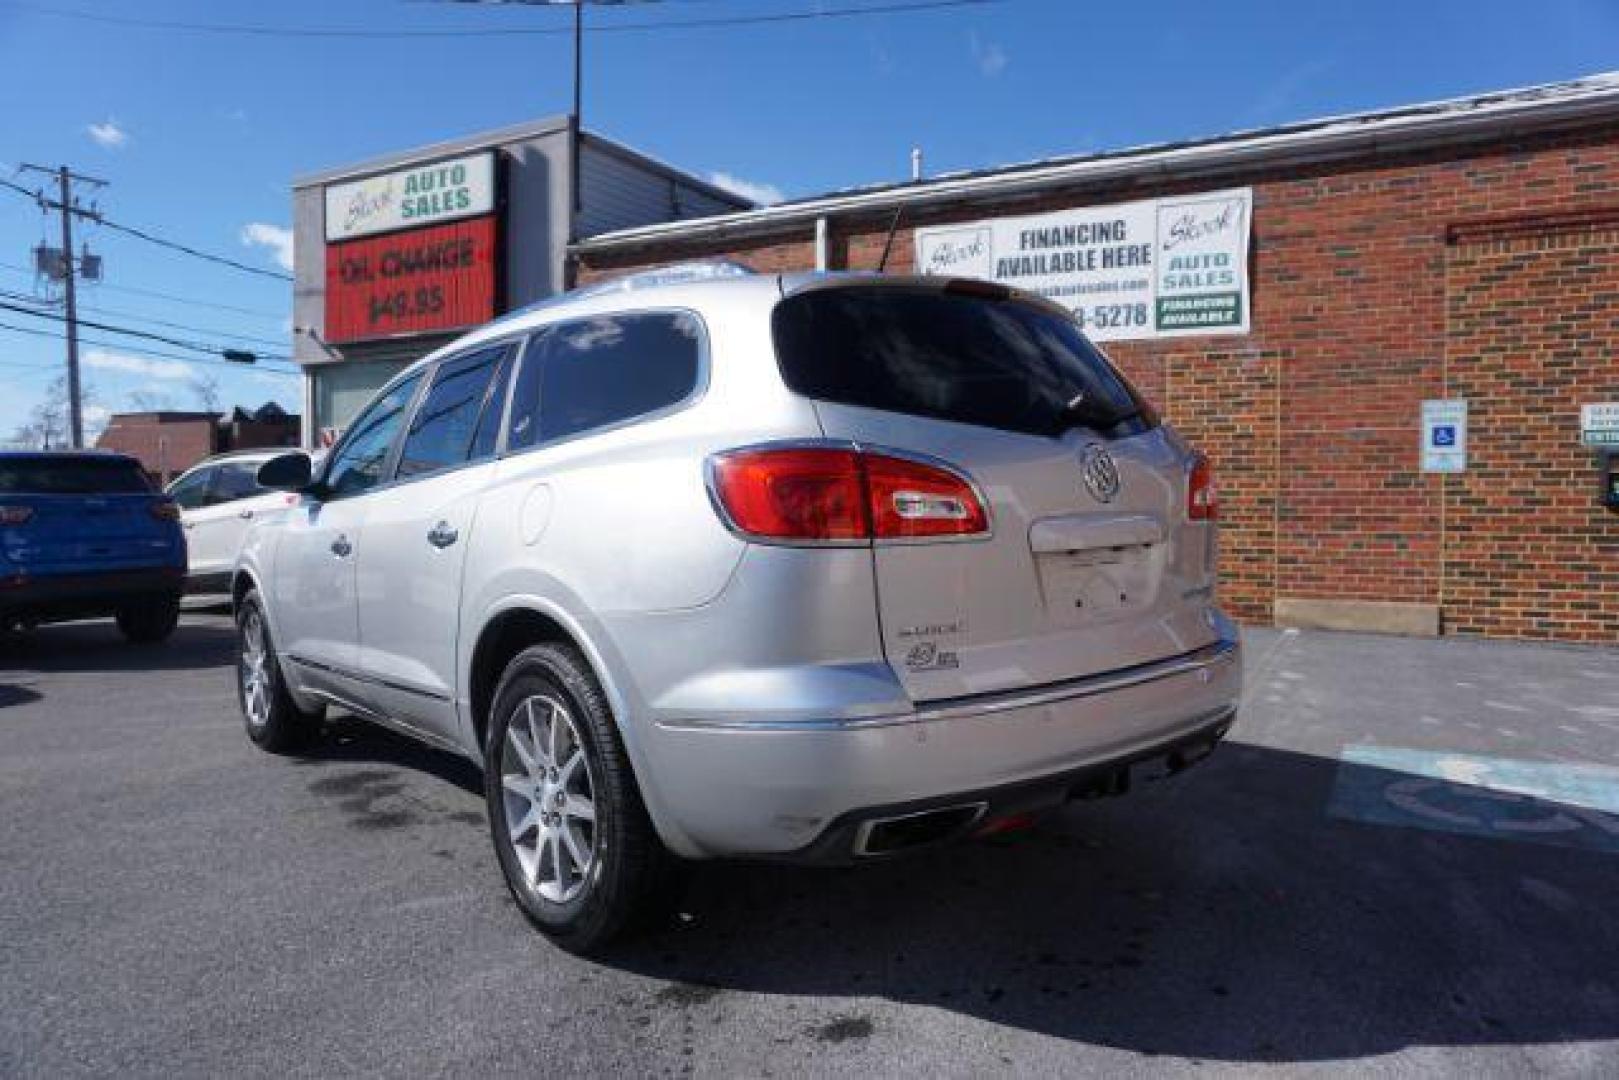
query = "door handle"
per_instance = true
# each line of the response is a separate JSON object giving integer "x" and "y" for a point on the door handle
{"x": 244, "y": 514}
{"x": 443, "y": 535}
{"x": 342, "y": 548}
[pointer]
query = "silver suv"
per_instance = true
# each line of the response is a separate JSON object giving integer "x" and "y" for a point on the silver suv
{"x": 816, "y": 568}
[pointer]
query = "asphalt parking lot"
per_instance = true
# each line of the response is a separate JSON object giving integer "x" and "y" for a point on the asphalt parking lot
{"x": 1404, "y": 862}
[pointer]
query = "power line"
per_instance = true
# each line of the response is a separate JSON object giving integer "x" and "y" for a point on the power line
{"x": 172, "y": 245}
{"x": 35, "y": 331}
{"x": 99, "y": 310}
{"x": 170, "y": 297}
{"x": 518, "y": 31}
{"x": 143, "y": 334}
{"x": 141, "y": 234}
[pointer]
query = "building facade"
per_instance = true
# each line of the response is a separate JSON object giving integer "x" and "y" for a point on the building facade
{"x": 1394, "y": 294}
{"x": 396, "y": 256}
{"x": 170, "y": 442}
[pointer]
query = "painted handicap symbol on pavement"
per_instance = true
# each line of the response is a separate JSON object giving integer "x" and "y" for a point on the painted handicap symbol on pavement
{"x": 1570, "y": 805}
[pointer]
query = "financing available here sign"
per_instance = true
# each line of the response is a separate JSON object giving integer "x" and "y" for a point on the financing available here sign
{"x": 428, "y": 194}
{"x": 1157, "y": 268}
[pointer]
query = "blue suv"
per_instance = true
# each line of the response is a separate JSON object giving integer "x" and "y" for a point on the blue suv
{"x": 85, "y": 534}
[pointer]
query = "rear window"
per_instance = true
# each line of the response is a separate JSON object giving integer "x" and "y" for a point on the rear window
{"x": 998, "y": 363}
{"x": 71, "y": 476}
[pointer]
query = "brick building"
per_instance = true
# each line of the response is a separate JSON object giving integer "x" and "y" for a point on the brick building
{"x": 170, "y": 442}
{"x": 1462, "y": 250}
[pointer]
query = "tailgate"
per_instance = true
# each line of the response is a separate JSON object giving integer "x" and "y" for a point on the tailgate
{"x": 1065, "y": 586}
{"x": 1077, "y": 576}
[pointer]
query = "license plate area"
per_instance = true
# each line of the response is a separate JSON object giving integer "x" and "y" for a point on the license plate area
{"x": 1097, "y": 585}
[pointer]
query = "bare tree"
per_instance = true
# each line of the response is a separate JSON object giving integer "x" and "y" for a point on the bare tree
{"x": 149, "y": 401}
{"x": 47, "y": 424}
{"x": 205, "y": 387}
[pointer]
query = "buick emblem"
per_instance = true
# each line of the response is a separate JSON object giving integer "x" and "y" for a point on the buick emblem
{"x": 1101, "y": 475}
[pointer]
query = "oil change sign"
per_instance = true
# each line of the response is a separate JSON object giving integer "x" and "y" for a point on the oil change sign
{"x": 1158, "y": 268}
{"x": 420, "y": 195}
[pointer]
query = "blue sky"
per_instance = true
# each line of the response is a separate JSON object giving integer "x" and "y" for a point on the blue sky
{"x": 200, "y": 134}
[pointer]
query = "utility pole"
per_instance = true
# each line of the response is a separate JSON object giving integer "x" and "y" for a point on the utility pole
{"x": 65, "y": 205}
{"x": 74, "y": 405}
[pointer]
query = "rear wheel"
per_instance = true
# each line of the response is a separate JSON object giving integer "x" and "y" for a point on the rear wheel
{"x": 149, "y": 620}
{"x": 578, "y": 850}
{"x": 274, "y": 721}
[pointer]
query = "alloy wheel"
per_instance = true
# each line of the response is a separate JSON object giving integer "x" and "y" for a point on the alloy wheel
{"x": 549, "y": 797}
{"x": 254, "y": 670}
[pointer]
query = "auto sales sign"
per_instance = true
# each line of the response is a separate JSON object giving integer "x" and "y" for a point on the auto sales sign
{"x": 1157, "y": 268}
{"x": 429, "y": 194}
{"x": 425, "y": 280}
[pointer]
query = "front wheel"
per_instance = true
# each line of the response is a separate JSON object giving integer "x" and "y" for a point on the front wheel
{"x": 149, "y": 620}
{"x": 578, "y": 850}
{"x": 274, "y": 721}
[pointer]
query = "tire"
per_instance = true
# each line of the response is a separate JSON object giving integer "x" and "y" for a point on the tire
{"x": 150, "y": 620}
{"x": 274, "y": 721}
{"x": 628, "y": 879}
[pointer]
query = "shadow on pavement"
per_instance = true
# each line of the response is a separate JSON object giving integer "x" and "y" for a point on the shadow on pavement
{"x": 98, "y": 646}
{"x": 1221, "y": 915}
{"x": 345, "y": 740}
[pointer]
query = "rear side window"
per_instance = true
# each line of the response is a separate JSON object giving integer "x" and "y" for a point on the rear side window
{"x": 441, "y": 433}
{"x": 972, "y": 359}
{"x": 585, "y": 375}
{"x": 65, "y": 475}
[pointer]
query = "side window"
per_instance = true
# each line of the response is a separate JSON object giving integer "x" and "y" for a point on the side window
{"x": 441, "y": 431}
{"x": 483, "y": 440}
{"x": 596, "y": 372}
{"x": 191, "y": 491}
{"x": 357, "y": 464}
{"x": 236, "y": 480}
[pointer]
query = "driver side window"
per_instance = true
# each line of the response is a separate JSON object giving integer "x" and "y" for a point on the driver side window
{"x": 359, "y": 463}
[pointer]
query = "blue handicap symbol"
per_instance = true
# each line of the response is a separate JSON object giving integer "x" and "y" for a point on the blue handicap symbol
{"x": 1444, "y": 435}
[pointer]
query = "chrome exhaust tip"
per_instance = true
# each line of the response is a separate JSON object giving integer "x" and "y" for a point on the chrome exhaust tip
{"x": 890, "y": 835}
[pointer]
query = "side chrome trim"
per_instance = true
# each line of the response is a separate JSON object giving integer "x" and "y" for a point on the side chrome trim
{"x": 371, "y": 716}
{"x": 372, "y": 680}
{"x": 1206, "y": 659}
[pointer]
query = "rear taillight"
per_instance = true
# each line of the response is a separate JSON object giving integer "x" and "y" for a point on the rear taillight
{"x": 1202, "y": 493}
{"x": 16, "y": 515}
{"x": 914, "y": 499}
{"x": 834, "y": 494}
{"x": 165, "y": 510}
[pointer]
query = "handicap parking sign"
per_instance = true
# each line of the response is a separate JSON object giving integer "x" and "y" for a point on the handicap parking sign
{"x": 1444, "y": 436}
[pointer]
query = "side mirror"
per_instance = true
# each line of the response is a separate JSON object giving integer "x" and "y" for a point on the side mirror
{"x": 287, "y": 472}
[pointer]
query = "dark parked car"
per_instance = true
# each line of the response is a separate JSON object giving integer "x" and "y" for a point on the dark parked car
{"x": 85, "y": 535}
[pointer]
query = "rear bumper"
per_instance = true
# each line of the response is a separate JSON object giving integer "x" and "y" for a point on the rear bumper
{"x": 54, "y": 597}
{"x": 810, "y": 790}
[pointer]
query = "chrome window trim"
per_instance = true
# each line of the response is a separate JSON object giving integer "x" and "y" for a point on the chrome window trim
{"x": 699, "y": 390}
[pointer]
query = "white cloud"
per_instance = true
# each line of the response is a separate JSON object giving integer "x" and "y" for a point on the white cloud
{"x": 274, "y": 237}
{"x": 108, "y": 135}
{"x": 763, "y": 194}
{"x": 94, "y": 418}
{"x": 164, "y": 370}
{"x": 989, "y": 56}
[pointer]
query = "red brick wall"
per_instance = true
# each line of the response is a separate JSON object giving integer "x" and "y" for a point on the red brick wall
{"x": 1533, "y": 321}
{"x": 165, "y": 449}
{"x": 1366, "y": 285}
